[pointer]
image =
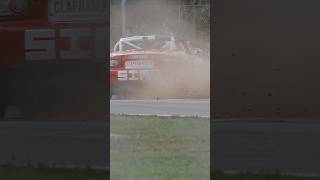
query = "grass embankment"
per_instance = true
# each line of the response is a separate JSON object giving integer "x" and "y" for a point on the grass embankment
{"x": 159, "y": 148}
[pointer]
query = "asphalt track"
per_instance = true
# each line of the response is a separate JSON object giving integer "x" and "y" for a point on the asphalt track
{"x": 59, "y": 144}
{"x": 255, "y": 145}
{"x": 166, "y": 107}
{"x": 288, "y": 147}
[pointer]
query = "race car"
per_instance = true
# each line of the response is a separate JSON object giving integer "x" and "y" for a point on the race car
{"x": 157, "y": 67}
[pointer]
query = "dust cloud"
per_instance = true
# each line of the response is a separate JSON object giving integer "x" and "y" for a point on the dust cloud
{"x": 183, "y": 76}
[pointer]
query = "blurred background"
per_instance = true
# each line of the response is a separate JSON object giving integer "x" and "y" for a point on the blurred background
{"x": 183, "y": 18}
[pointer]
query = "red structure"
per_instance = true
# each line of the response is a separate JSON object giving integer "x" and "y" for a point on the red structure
{"x": 52, "y": 52}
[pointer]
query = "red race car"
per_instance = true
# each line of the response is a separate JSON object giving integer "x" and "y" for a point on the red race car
{"x": 157, "y": 67}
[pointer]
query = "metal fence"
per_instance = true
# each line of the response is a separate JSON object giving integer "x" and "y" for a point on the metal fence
{"x": 198, "y": 15}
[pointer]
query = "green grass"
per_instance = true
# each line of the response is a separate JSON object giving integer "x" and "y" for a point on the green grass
{"x": 44, "y": 173}
{"x": 159, "y": 148}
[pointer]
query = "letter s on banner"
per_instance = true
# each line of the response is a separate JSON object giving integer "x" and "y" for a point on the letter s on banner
{"x": 40, "y": 44}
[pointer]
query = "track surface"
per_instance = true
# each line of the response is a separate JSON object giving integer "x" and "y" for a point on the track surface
{"x": 78, "y": 144}
{"x": 175, "y": 107}
{"x": 291, "y": 147}
{"x": 70, "y": 144}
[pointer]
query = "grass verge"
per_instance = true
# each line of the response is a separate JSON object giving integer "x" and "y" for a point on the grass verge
{"x": 159, "y": 148}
